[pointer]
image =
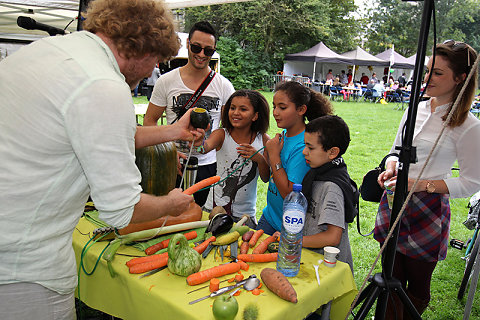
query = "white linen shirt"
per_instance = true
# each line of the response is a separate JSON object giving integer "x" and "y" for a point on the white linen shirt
{"x": 67, "y": 130}
{"x": 459, "y": 143}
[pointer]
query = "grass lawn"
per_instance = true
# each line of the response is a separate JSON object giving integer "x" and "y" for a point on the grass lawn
{"x": 372, "y": 129}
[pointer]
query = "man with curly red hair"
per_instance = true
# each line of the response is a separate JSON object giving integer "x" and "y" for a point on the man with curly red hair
{"x": 57, "y": 149}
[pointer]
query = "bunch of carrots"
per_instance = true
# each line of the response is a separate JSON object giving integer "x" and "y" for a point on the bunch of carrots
{"x": 148, "y": 263}
{"x": 155, "y": 261}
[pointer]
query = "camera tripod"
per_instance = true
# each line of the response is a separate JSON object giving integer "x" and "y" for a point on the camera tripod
{"x": 383, "y": 284}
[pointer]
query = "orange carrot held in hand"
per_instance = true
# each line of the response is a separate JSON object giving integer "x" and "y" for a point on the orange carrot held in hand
{"x": 262, "y": 247}
{"x": 202, "y": 246}
{"x": 215, "y": 272}
{"x": 164, "y": 244}
{"x": 258, "y": 257}
{"x": 140, "y": 260}
{"x": 148, "y": 266}
{"x": 201, "y": 184}
{"x": 255, "y": 237}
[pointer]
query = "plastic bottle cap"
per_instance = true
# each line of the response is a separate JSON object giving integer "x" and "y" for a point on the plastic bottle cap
{"x": 297, "y": 187}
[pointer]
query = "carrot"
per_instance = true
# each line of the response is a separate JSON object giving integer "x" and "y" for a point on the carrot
{"x": 243, "y": 265}
{"x": 278, "y": 284}
{"x": 238, "y": 277}
{"x": 193, "y": 213}
{"x": 202, "y": 246}
{"x": 258, "y": 257}
{"x": 262, "y": 247}
{"x": 148, "y": 266}
{"x": 255, "y": 237}
{"x": 201, "y": 184}
{"x": 231, "y": 280}
{"x": 215, "y": 272}
{"x": 256, "y": 291}
{"x": 237, "y": 293}
{"x": 164, "y": 244}
{"x": 214, "y": 284}
{"x": 244, "y": 247}
{"x": 260, "y": 285}
{"x": 146, "y": 259}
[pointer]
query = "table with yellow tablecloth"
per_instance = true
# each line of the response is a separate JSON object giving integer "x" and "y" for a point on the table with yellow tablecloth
{"x": 164, "y": 295}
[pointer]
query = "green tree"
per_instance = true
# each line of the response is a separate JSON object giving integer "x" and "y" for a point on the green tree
{"x": 244, "y": 68}
{"x": 269, "y": 29}
{"x": 398, "y": 22}
{"x": 394, "y": 22}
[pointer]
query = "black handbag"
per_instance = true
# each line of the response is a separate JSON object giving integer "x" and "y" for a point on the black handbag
{"x": 370, "y": 190}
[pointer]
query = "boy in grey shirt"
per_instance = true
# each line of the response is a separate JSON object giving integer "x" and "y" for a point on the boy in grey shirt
{"x": 332, "y": 196}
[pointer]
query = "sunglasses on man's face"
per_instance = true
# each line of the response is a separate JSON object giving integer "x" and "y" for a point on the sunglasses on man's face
{"x": 197, "y": 49}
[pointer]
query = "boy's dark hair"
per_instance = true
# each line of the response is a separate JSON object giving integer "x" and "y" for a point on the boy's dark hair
{"x": 203, "y": 26}
{"x": 332, "y": 132}
{"x": 317, "y": 104}
{"x": 259, "y": 104}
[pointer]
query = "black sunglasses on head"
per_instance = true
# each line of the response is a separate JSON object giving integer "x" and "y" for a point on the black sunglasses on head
{"x": 454, "y": 44}
{"x": 197, "y": 49}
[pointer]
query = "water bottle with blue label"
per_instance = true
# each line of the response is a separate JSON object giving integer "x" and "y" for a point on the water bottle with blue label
{"x": 290, "y": 247}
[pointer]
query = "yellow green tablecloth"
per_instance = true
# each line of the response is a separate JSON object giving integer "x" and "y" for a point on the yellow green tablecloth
{"x": 164, "y": 295}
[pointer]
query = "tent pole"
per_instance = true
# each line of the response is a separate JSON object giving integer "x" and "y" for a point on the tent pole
{"x": 314, "y": 67}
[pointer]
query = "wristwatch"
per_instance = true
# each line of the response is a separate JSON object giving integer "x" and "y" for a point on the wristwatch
{"x": 430, "y": 188}
{"x": 278, "y": 166}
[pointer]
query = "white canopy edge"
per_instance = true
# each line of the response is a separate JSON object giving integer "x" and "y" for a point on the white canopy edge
{"x": 60, "y": 13}
{"x": 73, "y": 4}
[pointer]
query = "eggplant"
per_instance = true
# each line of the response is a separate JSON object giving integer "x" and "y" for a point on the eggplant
{"x": 219, "y": 224}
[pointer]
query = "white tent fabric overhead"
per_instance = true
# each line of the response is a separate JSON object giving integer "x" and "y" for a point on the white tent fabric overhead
{"x": 61, "y": 13}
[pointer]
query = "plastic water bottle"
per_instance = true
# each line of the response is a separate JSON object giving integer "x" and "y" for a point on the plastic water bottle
{"x": 290, "y": 247}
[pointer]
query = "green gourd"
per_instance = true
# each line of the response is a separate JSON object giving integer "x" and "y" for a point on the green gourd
{"x": 158, "y": 167}
{"x": 182, "y": 259}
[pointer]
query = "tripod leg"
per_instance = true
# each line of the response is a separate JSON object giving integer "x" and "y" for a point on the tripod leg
{"x": 408, "y": 305}
{"x": 420, "y": 305}
{"x": 381, "y": 309}
{"x": 374, "y": 292}
{"x": 365, "y": 293}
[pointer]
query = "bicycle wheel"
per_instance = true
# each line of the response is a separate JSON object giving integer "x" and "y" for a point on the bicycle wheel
{"x": 468, "y": 268}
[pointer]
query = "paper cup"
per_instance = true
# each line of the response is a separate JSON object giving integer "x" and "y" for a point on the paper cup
{"x": 330, "y": 256}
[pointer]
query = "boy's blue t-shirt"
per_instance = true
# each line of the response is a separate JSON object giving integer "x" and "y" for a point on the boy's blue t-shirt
{"x": 293, "y": 161}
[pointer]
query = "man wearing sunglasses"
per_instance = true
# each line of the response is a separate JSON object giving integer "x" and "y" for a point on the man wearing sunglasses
{"x": 174, "y": 89}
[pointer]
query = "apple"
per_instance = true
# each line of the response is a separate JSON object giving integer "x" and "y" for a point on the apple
{"x": 225, "y": 307}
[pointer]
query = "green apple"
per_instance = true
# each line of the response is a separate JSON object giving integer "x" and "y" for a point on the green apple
{"x": 225, "y": 307}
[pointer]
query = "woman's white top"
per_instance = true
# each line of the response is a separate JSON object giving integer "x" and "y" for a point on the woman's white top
{"x": 461, "y": 143}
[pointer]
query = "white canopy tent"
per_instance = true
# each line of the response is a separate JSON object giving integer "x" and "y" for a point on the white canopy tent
{"x": 60, "y": 14}
{"x": 361, "y": 57}
{"x": 305, "y": 62}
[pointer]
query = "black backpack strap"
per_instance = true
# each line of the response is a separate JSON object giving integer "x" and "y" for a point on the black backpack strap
{"x": 356, "y": 205}
{"x": 381, "y": 168}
